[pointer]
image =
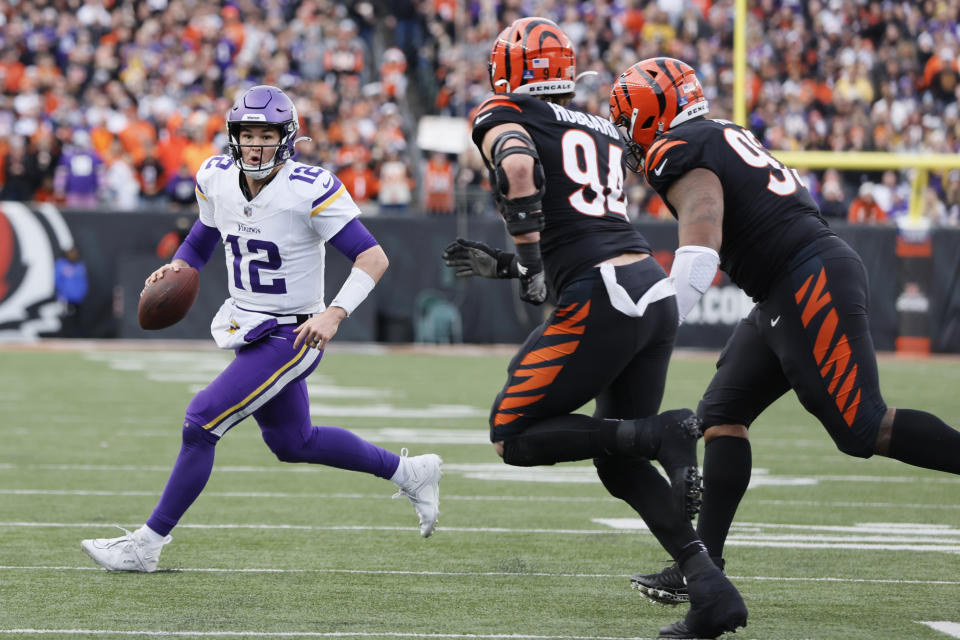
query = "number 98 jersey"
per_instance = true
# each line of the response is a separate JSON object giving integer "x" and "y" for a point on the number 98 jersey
{"x": 768, "y": 214}
{"x": 274, "y": 243}
{"x": 585, "y": 209}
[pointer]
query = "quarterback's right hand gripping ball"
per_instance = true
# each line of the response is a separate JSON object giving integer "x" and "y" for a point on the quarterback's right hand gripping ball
{"x": 167, "y": 300}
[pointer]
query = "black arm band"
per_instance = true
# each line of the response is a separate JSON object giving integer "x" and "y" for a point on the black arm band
{"x": 528, "y": 257}
{"x": 507, "y": 265}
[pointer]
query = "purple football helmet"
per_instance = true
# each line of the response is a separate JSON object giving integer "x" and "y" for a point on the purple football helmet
{"x": 263, "y": 105}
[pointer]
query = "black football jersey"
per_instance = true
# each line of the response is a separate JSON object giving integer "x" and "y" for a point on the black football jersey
{"x": 768, "y": 214}
{"x": 585, "y": 209}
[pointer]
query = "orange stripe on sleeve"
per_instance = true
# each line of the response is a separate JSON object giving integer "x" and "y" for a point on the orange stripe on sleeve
{"x": 656, "y": 155}
{"x": 493, "y": 103}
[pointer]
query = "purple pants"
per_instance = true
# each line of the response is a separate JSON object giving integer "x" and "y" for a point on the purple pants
{"x": 267, "y": 379}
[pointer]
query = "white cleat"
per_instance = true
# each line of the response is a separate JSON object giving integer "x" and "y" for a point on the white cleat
{"x": 126, "y": 553}
{"x": 422, "y": 488}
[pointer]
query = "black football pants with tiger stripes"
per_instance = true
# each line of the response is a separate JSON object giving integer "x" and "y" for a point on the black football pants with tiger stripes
{"x": 587, "y": 350}
{"x": 812, "y": 335}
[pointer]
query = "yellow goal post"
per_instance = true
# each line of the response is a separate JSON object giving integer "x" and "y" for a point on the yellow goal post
{"x": 921, "y": 163}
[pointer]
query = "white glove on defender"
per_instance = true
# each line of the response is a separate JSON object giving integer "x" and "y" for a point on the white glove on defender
{"x": 693, "y": 270}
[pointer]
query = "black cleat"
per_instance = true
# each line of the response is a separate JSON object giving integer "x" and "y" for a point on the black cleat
{"x": 715, "y": 608}
{"x": 666, "y": 587}
{"x": 680, "y": 430}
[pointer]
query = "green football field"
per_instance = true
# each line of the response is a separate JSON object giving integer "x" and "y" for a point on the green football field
{"x": 824, "y": 546}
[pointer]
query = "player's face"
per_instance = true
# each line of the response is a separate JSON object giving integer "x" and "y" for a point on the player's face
{"x": 258, "y": 144}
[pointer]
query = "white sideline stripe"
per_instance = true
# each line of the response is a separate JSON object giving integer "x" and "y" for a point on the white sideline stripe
{"x": 311, "y": 634}
{"x": 306, "y": 634}
{"x": 950, "y": 628}
{"x": 495, "y": 574}
{"x": 770, "y": 540}
{"x": 857, "y": 505}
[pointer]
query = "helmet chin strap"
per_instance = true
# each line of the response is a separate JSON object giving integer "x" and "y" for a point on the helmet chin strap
{"x": 257, "y": 174}
{"x": 258, "y": 171}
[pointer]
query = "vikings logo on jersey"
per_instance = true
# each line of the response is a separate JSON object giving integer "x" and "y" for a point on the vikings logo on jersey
{"x": 274, "y": 243}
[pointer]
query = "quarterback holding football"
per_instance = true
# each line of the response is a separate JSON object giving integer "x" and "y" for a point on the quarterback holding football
{"x": 273, "y": 216}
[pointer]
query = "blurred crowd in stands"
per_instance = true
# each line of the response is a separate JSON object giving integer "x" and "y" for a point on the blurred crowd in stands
{"x": 114, "y": 104}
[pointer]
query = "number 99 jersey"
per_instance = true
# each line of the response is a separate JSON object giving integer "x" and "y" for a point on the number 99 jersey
{"x": 274, "y": 243}
{"x": 585, "y": 209}
{"x": 768, "y": 214}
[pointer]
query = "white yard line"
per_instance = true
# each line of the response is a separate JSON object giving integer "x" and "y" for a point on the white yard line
{"x": 952, "y": 629}
{"x": 303, "y": 634}
{"x": 862, "y": 537}
{"x": 494, "y": 574}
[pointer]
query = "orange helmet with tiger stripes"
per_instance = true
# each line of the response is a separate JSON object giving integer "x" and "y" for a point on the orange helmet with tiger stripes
{"x": 651, "y": 97}
{"x": 534, "y": 56}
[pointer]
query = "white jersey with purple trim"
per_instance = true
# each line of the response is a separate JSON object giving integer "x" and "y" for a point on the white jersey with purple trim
{"x": 274, "y": 244}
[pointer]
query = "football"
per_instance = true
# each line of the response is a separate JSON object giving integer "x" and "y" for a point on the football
{"x": 165, "y": 302}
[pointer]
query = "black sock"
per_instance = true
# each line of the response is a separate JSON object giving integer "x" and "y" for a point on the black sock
{"x": 727, "y": 463}
{"x": 924, "y": 440}
{"x": 639, "y": 484}
{"x": 694, "y": 561}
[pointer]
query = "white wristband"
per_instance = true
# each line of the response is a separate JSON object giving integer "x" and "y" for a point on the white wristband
{"x": 693, "y": 270}
{"x": 355, "y": 289}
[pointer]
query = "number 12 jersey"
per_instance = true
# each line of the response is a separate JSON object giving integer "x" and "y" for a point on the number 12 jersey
{"x": 274, "y": 242}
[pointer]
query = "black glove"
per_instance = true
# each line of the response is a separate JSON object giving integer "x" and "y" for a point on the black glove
{"x": 471, "y": 258}
{"x": 533, "y": 287}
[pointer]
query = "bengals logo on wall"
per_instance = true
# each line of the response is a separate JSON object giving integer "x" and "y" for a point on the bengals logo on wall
{"x": 30, "y": 242}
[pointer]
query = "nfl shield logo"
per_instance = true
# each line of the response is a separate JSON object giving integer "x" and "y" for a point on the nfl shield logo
{"x": 248, "y": 210}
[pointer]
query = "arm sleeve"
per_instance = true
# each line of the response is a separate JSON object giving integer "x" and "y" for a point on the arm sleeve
{"x": 198, "y": 246}
{"x": 353, "y": 239}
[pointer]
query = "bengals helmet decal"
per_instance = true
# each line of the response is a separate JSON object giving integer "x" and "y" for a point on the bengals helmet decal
{"x": 534, "y": 56}
{"x": 651, "y": 97}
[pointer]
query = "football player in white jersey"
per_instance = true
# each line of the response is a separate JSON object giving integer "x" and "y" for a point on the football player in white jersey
{"x": 273, "y": 216}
